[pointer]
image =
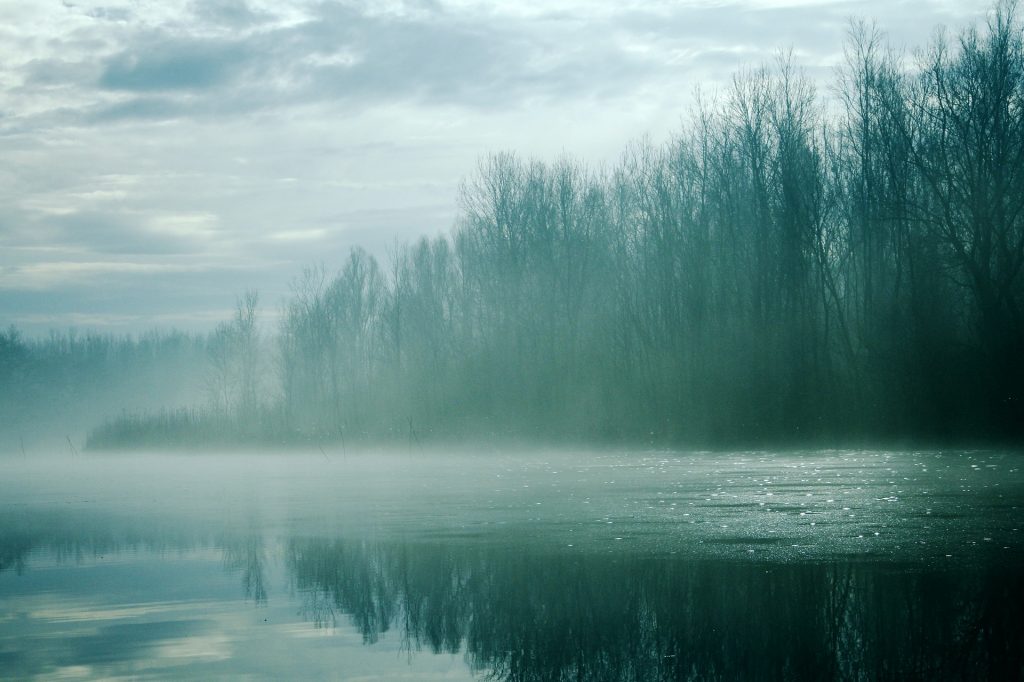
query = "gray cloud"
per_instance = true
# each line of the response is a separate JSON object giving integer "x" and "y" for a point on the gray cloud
{"x": 175, "y": 64}
{"x": 120, "y": 232}
{"x": 119, "y": 14}
{"x": 341, "y": 54}
{"x": 150, "y": 107}
{"x": 234, "y": 14}
{"x": 433, "y": 56}
{"x": 58, "y": 72}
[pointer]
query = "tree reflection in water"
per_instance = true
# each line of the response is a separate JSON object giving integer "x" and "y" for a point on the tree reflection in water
{"x": 540, "y": 613}
{"x": 246, "y": 555}
{"x": 548, "y": 616}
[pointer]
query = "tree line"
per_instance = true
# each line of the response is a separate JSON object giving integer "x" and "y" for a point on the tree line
{"x": 790, "y": 267}
{"x": 55, "y": 388}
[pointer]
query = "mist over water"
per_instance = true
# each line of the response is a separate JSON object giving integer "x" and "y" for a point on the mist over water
{"x": 521, "y": 565}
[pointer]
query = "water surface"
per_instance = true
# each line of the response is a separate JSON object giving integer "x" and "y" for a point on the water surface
{"x": 517, "y": 566}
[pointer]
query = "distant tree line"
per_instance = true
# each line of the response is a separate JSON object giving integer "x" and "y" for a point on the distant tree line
{"x": 789, "y": 268}
{"x": 55, "y": 388}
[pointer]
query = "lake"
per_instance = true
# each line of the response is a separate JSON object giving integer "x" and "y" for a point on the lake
{"x": 576, "y": 565}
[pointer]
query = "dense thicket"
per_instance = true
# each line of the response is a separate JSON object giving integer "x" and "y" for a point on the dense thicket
{"x": 788, "y": 268}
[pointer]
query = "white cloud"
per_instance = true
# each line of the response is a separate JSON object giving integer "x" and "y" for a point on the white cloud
{"x": 56, "y": 274}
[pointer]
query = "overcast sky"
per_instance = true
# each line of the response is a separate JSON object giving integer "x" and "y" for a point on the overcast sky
{"x": 159, "y": 157}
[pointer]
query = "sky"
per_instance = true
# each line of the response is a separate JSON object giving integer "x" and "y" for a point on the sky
{"x": 161, "y": 157}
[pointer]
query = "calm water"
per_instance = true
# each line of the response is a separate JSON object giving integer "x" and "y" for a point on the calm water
{"x": 533, "y": 566}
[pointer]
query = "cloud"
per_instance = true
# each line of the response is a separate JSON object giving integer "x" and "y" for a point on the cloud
{"x": 225, "y": 58}
{"x": 105, "y": 320}
{"x": 176, "y": 64}
{"x": 233, "y": 14}
{"x": 110, "y": 13}
{"x": 136, "y": 109}
{"x": 96, "y": 223}
{"x": 346, "y": 54}
{"x": 47, "y": 275}
{"x": 436, "y": 55}
{"x": 58, "y": 72}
